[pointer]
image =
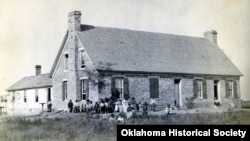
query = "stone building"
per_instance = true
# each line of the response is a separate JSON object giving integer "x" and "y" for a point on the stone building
{"x": 98, "y": 62}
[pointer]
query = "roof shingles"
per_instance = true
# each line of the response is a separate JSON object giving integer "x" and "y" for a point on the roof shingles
{"x": 130, "y": 50}
{"x": 39, "y": 81}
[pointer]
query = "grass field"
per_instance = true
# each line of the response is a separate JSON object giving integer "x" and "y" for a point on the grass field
{"x": 82, "y": 127}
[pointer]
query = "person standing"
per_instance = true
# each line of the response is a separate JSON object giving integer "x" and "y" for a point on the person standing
{"x": 49, "y": 106}
{"x": 145, "y": 109}
{"x": 133, "y": 103}
{"x": 125, "y": 105}
{"x": 70, "y": 106}
{"x": 152, "y": 104}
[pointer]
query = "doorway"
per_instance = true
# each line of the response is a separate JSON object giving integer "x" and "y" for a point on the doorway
{"x": 216, "y": 92}
{"x": 177, "y": 93}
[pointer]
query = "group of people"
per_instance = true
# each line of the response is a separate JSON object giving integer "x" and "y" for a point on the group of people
{"x": 124, "y": 107}
{"x": 77, "y": 108}
{"x": 127, "y": 106}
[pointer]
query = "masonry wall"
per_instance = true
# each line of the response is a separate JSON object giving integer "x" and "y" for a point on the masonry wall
{"x": 73, "y": 76}
{"x": 139, "y": 89}
{"x": 61, "y": 75}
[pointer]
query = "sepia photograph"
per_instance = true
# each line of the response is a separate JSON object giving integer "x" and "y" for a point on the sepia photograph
{"x": 77, "y": 69}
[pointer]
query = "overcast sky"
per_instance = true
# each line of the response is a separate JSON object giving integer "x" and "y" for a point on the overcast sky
{"x": 31, "y": 31}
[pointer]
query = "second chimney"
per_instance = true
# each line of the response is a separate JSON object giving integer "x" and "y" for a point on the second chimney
{"x": 211, "y": 36}
{"x": 38, "y": 69}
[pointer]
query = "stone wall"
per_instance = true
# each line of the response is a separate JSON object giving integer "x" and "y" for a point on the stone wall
{"x": 73, "y": 75}
{"x": 140, "y": 89}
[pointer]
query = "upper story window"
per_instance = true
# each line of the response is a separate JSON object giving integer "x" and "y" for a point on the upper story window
{"x": 82, "y": 58}
{"x": 66, "y": 61}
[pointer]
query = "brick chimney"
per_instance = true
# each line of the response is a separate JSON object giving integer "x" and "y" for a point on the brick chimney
{"x": 211, "y": 36}
{"x": 38, "y": 69}
{"x": 74, "y": 21}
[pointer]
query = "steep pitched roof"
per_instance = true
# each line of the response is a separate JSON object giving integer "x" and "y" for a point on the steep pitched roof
{"x": 58, "y": 54}
{"x": 30, "y": 82}
{"x": 128, "y": 50}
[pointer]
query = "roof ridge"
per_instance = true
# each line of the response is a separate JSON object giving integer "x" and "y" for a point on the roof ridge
{"x": 36, "y": 75}
{"x": 134, "y": 30}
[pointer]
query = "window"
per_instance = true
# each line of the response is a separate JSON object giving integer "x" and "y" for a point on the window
{"x": 216, "y": 90}
{"x": 65, "y": 91}
{"x": 24, "y": 96}
{"x": 84, "y": 89}
{"x": 66, "y": 61}
{"x": 154, "y": 87}
{"x": 13, "y": 96}
{"x": 82, "y": 59}
{"x": 230, "y": 88}
{"x": 120, "y": 87}
{"x": 200, "y": 88}
{"x": 36, "y": 96}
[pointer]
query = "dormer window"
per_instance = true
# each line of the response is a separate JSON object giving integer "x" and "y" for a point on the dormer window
{"x": 82, "y": 59}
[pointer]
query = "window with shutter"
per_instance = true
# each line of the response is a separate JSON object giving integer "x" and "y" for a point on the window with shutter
{"x": 120, "y": 87}
{"x": 229, "y": 88}
{"x": 198, "y": 88}
{"x": 154, "y": 87}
